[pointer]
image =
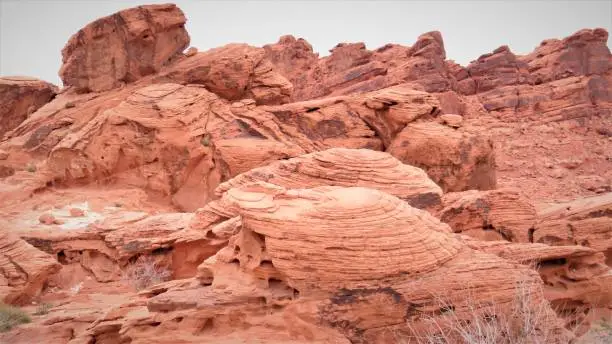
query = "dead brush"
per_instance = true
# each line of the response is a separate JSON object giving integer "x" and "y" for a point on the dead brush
{"x": 144, "y": 273}
{"x": 527, "y": 319}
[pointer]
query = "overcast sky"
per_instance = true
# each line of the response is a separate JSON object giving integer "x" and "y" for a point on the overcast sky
{"x": 33, "y": 32}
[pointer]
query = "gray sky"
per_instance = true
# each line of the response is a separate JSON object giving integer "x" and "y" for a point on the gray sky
{"x": 33, "y": 32}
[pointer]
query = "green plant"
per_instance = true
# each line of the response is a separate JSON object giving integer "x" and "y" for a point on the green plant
{"x": 205, "y": 141}
{"x": 43, "y": 308}
{"x": 11, "y": 316}
{"x": 31, "y": 168}
{"x": 144, "y": 273}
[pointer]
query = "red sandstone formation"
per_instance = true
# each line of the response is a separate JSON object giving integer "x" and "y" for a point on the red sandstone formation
{"x": 123, "y": 47}
{"x": 19, "y": 98}
{"x": 369, "y": 196}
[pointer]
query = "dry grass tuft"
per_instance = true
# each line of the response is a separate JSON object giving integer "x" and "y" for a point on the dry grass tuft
{"x": 43, "y": 308}
{"x": 144, "y": 273}
{"x": 528, "y": 319}
{"x": 11, "y": 316}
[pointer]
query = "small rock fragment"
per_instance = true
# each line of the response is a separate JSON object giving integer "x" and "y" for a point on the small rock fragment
{"x": 76, "y": 212}
{"x": 191, "y": 51}
{"x": 453, "y": 121}
{"x": 47, "y": 219}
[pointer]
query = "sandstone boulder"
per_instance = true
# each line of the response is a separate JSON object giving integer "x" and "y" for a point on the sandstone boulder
{"x": 455, "y": 160}
{"x": 584, "y": 221}
{"x": 346, "y": 167}
{"x": 306, "y": 290}
{"x": 234, "y": 72}
{"x": 19, "y": 98}
{"x": 24, "y": 269}
{"x": 503, "y": 214}
{"x": 583, "y": 53}
{"x": 123, "y": 47}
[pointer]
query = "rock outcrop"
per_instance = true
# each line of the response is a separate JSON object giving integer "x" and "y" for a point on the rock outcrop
{"x": 123, "y": 47}
{"x": 455, "y": 160}
{"x": 347, "y": 168}
{"x": 576, "y": 278}
{"x": 502, "y": 214}
{"x": 23, "y": 269}
{"x": 19, "y": 98}
{"x": 585, "y": 222}
{"x": 279, "y": 197}
{"x": 319, "y": 297}
{"x": 234, "y": 72}
{"x": 198, "y": 139}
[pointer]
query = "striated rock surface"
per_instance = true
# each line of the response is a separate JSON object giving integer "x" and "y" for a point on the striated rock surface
{"x": 123, "y": 47}
{"x": 502, "y": 214}
{"x": 305, "y": 288}
{"x": 234, "y": 72}
{"x": 345, "y": 199}
{"x": 585, "y": 222}
{"x": 346, "y": 167}
{"x": 351, "y": 68}
{"x": 576, "y": 278}
{"x": 19, "y": 98}
{"x": 455, "y": 160}
{"x": 182, "y": 141}
{"x": 583, "y": 53}
{"x": 24, "y": 269}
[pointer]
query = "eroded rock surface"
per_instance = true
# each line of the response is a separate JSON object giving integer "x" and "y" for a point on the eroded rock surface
{"x": 123, "y": 47}
{"x": 455, "y": 160}
{"x": 342, "y": 199}
{"x": 503, "y": 214}
{"x": 307, "y": 298}
{"x": 234, "y": 72}
{"x": 19, "y": 98}
{"x": 23, "y": 269}
{"x": 585, "y": 222}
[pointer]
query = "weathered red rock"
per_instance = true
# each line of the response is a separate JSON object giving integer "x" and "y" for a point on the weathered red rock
{"x": 19, "y": 98}
{"x": 24, "y": 269}
{"x": 308, "y": 308}
{"x": 47, "y": 219}
{"x": 576, "y": 278}
{"x": 583, "y": 53}
{"x": 497, "y": 69}
{"x": 76, "y": 212}
{"x": 123, "y": 47}
{"x": 502, "y": 214}
{"x": 346, "y": 167}
{"x": 234, "y": 72}
{"x": 306, "y": 174}
{"x": 583, "y": 222}
{"x": 455, "y": 160}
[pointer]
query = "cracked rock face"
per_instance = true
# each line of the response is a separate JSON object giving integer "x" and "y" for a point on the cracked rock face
{"x": 283, "y": 197}
{"x": 19, "y": 98}
{"x": 123, "y": 47}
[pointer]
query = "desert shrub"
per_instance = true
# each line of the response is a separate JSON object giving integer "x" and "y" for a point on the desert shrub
{"x": 528, "y": 319}
{"x": 11, "y": 316}
{"x": 144, "y": 273}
